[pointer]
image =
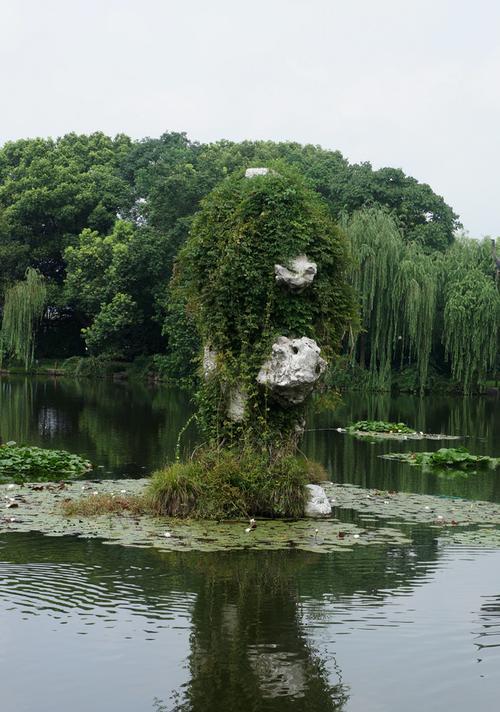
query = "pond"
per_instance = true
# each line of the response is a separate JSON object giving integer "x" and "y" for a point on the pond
{"x": 85, "y": 625}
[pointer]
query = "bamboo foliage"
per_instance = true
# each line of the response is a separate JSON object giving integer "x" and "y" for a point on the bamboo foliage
{"x": 22, "y": 312}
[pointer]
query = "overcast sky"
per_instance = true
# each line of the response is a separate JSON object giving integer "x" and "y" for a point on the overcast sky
{"x": 401, "y": 83}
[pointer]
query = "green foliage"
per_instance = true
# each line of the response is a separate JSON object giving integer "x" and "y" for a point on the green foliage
{"x": 397, "y": 286}
{"x": 471, "y": 312}
{"x": 379, "y": 426}
{"x": 225, "y": 273}
{"x": 51, "y": 190}
{"x": 117, "y": 283}
{"x": 412, "y": 300}
{"x": 232, "y": 483}
{"x": 176, "y": 173}
{"x": 30, "y": 464}
{"x": 23, "y": 310}
{"x": 447, "y": 458}
{"x": 88, "y": 366}
{"x": 113, "y": 327}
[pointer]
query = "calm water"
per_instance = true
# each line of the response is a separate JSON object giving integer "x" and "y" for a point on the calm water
{"x": 87, "y": 626}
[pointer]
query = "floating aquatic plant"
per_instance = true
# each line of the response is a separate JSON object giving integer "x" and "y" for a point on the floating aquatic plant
{"x": 24, "y": 464}
{"x": 446, "y": 458}
{"x": 378, "y": 426}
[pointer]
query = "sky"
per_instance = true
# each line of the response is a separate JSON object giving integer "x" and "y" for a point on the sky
{"x": 414, "y": 85}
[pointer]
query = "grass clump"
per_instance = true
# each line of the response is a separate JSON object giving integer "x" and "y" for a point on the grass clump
{"x": 105, "y": 503}
{"x": 379, "y": 426}
{"x": 233, "y": 483}
{"x": 29, "y": 464}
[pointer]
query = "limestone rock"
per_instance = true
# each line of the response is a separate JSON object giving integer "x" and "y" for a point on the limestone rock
{"x": 293, "y": 369}
{"x": 317, "y": 504}
{"x": 209, "y": 362}
{"x": 298, "y": 276}
{"x": 252, "y": 172}
{"x": 236, "y": 405}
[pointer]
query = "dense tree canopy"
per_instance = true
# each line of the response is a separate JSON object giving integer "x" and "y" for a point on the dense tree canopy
{"x": 50, "y": 191}
{"x": 101, "y": 220}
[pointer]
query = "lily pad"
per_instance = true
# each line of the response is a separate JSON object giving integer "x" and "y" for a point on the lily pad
{"x": 39, "y": 509}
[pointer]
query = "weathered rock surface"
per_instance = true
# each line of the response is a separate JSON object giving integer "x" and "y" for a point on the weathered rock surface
{"x": 298, "y": 276}
{"x": 236, "y": 405}
{"x": 252, "y": 172}
{"x": 209, "y": 362}
{"x": 317, "y": 504}
{"x": 293, "y": 369}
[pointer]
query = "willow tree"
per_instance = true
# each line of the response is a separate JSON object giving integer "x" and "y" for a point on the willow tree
{"x": 414, "y": 306}
{"x": 397, "y": 285}
{"x": 376, "y": 247}
{"x": 22, "y": 312}
{"x": 471, "y": 312}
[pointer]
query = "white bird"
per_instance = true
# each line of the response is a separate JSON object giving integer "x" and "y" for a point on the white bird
{"x": 167, "y": 535}
{"x": 253, "y": 525}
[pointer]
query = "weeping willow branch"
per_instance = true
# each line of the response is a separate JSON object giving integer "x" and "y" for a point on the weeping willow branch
{"x": 397, "y": 284}
{"x": 376, "y": 246}
{"x": 414, "y": 303}
{"x": 471, "y": 312}
{"x": 23, "y": 310}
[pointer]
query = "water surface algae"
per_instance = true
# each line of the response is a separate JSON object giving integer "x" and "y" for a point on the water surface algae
{"x": 375, "y": 517}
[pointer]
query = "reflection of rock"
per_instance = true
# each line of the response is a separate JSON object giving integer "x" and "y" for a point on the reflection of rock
{"x": 280, "y": 674}
{"x": 252, "y": 172}
{"x": 236, "y": 405}
{"x": 209, "y": 362}
{"x": 317, "y": 504}
{"x": 298, "y": 276}
{"x": 292, "y": 370}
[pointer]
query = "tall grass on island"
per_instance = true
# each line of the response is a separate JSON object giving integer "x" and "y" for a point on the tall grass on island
{"x": 234, "y": 483}
{"x": 215, "y": 484}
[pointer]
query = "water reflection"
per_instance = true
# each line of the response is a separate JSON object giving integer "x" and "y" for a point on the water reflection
{"x": 130, "y": 429}
{"x": 245, "y": 613}
{"x": 357, "y": 461}
{"x": 124, "y": 429}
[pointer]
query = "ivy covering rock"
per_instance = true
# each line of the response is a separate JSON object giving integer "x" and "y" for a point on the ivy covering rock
{"x": 263, "y": 276}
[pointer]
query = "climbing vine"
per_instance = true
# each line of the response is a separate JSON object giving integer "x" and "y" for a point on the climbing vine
{"x": 226, "y": 274}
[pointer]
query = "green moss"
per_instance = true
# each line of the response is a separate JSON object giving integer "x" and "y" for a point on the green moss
{"x": 233, "y": 483}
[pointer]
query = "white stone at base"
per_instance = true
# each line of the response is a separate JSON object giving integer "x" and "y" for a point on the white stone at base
{"x": 317, "y": 504}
